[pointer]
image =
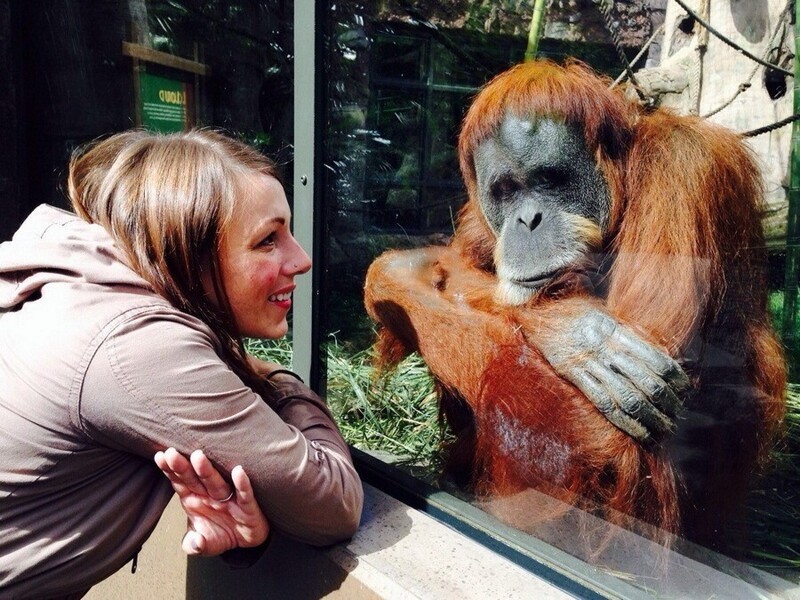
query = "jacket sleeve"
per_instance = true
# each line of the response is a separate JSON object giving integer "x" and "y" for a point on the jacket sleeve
{"x": 156, "y": 382}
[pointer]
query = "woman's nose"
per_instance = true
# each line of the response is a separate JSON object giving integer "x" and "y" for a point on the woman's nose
{"x": 299, "y": 262}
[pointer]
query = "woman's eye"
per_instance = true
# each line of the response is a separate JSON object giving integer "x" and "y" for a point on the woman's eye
{"x": 268, "y": 241}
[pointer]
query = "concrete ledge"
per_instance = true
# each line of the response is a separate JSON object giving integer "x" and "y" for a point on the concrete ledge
{"x": 398, "y": 553}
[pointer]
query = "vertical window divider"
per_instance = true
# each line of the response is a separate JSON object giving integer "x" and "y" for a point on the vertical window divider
{"x": 304, "y": 184}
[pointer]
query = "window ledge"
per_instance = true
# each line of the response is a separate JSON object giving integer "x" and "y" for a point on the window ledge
{"x": 400, "y": 552}
{"x": 397, "y": 553}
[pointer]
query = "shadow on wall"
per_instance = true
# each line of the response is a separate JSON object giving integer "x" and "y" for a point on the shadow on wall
{"x": 293, "y": 570}
{"x": 287, "y": 570}
{"x": 750, "y": 18}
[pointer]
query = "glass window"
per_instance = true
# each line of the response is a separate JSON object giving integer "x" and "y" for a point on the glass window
{"x": 397, "y": 84}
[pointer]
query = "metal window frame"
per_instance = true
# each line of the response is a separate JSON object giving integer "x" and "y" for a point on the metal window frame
{"x": 305, "y": 326}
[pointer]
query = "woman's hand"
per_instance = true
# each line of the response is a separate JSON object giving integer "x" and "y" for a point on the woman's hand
{"x": 218, "y": 518}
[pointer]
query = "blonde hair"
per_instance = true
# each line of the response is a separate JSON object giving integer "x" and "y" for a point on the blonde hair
{"x": 166, "y": 199}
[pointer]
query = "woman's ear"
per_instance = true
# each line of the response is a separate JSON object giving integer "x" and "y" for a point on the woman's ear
{"x": 210, "y": 279}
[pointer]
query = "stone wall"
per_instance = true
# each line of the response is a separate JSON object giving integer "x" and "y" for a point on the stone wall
{"x": 709, "y": 78}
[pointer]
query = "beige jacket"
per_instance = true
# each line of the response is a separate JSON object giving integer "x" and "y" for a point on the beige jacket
{"x": 97, "y": 373}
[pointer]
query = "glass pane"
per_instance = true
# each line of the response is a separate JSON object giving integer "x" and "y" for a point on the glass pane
{"x": 398, "y": 57}
{"x": 248, "y": 48}
{"x": 440, "y": 206}
{"x": 443, "y": 134}
{"x": 397, "y": 87}
{"x": 455, "y": 65}
{"x": 395, "y": 131}
{"x": 78, "y": 83}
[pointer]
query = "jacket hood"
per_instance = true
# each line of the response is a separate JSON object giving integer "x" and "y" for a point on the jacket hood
{"x": 54, "y": 245}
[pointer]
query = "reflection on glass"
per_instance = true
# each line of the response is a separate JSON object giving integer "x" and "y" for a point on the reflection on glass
{"x": 247, "y": 45}
{"x": 398, "y": 57}
{"x": 448, "y": 106}
{"x": 393, "y": 182}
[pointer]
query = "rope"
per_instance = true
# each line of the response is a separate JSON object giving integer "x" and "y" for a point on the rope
{"x": 730, "y": 43}
{"x": 605, "y": 10}
{"x": 638, "y": 57}
{"x": 745, "y": 85}
{"x": 768, "y": 128}
{"x": 696, "y": 83}
{"x": 605, "y": 7}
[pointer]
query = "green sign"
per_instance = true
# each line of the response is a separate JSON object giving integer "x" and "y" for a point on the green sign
{"x": 165, "y": 103}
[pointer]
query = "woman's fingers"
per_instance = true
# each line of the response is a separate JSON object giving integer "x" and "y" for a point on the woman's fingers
{"x": 193, "y": 476}
{"x": 211, "y": 479}
{"x": 214, "y": 525}
{"x": 244, "y": 489}
{"x": 253, "y": 527}
{"x": 193, "y": 543}
{"x": 179, "y": 471}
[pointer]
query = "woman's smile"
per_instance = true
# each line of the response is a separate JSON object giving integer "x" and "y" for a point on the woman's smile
{"x": 282, "y": 299}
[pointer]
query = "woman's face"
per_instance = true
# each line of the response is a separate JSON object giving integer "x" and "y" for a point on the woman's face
{"x": 259, "y": 258}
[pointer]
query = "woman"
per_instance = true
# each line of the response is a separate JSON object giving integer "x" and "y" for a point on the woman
{"x": 122, "y": 339}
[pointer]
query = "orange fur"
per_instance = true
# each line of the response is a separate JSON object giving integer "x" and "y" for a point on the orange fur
{"x": 686, "y": 255}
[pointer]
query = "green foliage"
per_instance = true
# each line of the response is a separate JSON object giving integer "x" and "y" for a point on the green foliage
{"x": 773, "y": 516}
{"x": 775, "y": 307}
{"x": 395, "y": 413}
{"x": 789, "y": 334}
{"x": 277, "y": 351}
